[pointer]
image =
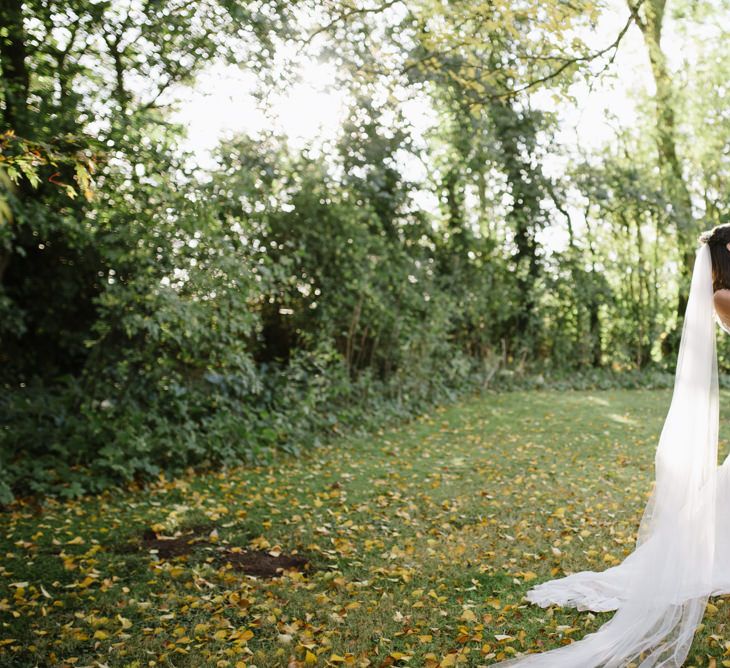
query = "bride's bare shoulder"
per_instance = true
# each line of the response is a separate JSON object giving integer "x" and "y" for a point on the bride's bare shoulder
{"x": 721, "y": 299}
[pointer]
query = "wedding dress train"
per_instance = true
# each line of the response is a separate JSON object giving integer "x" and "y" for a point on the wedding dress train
{"x": 682, "y": 552}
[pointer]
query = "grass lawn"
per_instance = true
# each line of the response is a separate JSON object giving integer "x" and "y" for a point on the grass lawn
{"x": 420, "y": 542}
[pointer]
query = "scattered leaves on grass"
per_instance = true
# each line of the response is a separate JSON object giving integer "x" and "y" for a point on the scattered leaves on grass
{"x": 410, "y": 547}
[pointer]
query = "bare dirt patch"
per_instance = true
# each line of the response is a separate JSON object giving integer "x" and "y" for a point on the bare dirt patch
{"x": 263, "y": 564}
{"x": 168, "y": 547}
{"x": 259, "y": 563}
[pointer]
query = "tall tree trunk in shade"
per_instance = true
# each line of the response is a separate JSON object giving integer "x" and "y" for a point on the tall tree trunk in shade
{"x": 14, "y": 70}
{"x": 515, "y": 133}
{"x": 16, "y": 83}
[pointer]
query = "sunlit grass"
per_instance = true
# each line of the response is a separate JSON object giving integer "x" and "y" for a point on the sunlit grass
{"x": 423, "y": 540}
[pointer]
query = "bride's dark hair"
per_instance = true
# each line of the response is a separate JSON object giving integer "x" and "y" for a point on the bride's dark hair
{"x": 717, "y": 238}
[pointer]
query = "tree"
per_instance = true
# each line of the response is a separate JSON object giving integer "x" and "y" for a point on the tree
{"x": 85, "y": 81}
{"x": 649, "y": 15}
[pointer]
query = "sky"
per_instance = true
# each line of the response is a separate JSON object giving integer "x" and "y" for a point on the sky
{"x": 309, "y": 112}
{"x": 221, "y": 100}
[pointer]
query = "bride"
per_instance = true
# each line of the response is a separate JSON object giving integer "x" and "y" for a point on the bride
{"x": 682, "y": 552}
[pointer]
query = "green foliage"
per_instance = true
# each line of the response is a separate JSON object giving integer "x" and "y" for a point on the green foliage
{"x": 154, "y": 318}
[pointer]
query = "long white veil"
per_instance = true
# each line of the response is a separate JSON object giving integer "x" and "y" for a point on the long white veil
{"x": 682, "y": 555}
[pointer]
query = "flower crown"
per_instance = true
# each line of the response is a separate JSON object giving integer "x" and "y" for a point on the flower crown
{"x": 705, "y": 236}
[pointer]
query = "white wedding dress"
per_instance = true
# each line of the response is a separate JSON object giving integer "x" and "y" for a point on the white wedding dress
{"x": 682, "y": 553}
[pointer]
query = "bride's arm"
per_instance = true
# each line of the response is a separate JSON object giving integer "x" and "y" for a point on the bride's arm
{"x": 722, "y": 307}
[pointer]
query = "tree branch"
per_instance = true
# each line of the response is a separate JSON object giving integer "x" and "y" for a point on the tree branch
{"x": 346, "y": 16}
{"x": 581, "y": 59}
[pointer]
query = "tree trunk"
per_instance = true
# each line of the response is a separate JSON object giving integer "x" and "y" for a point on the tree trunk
{"x": 649, "y": 17}
{"x": 16, "y": 83}
{"x": 594, "y": 305}
{"x": 524, "y": 216}
{"x": 15, "y": 73}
